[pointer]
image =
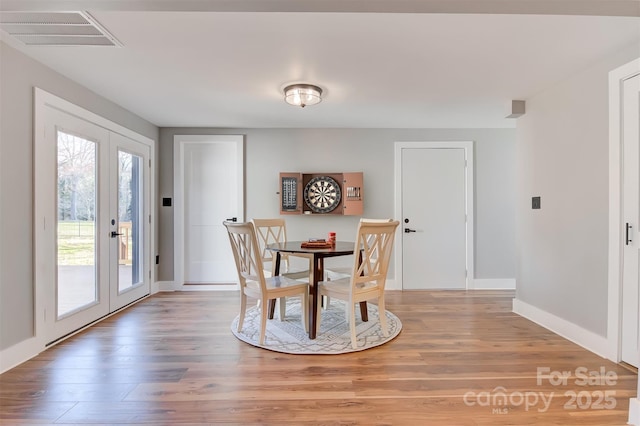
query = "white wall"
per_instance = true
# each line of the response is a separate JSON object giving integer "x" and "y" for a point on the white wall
{"x": 562, "y": 156}
{"x": 18, "y": 75}
{"x": 270, "y": 151}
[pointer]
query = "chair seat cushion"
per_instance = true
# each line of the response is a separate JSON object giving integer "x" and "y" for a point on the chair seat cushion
{"x": 343, "y": 285}
{"x": 277, "y": 282}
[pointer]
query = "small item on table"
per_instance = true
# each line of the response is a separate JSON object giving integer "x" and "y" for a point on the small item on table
{"x": 332, "y": 238}
{"x": 316, "y": 243}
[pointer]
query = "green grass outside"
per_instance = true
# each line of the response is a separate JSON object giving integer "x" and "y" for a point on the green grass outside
{"x": 76, "y": 243}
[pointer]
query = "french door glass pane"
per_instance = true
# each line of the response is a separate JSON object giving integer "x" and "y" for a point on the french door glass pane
{"x": 76, "y": 232}
{"x": 129, "y": 220}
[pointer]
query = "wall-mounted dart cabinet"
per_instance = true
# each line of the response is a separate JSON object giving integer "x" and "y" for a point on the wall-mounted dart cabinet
{"x": 321, "y": 193}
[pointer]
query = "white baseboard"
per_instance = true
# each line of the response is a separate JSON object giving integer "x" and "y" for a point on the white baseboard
{"x": 493, "y": 284}
{"x": 209, "y": 287}
{"x": 634, "y": 411}
{"x": 570, "y": 331}
{"x": 392, "y": 285}
{"x": 164, "y": 286}
{"x": 19, "y": 353}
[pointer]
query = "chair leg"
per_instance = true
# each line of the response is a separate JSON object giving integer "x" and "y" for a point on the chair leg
{"x": 263, "y": 321}
{"x": 318, "y": 312}
{"x": 283, "y": 307}
{"x": 352, "y": 326}
{"x": 243, "y": 309}
{"x": 382, "y": 314}
{"x": 304, "y": 312}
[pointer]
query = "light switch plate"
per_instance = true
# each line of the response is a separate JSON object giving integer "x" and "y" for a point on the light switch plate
{"x": 535, "y": 202}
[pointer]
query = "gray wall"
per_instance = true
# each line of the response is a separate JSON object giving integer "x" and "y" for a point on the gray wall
{"x": 18, "y": 76}
{"x": 563, "y": 157}
{"x": 270, "y": 151}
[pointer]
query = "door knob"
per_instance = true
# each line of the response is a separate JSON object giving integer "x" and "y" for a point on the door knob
{"x": 407, "y": 230}
{"x": 114, "y": 234}
{"x": 232, "y": 219}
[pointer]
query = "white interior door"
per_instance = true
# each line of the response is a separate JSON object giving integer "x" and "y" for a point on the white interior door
{"x": 630, "y": 344}
{"x": 434, "y": 211}
{"x": 211, "y": 186}
{"x": 84, "y": 175}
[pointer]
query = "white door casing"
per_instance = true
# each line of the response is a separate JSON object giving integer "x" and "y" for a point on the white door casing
{"x": 440, "y": 253}
{"x": 208, "y": 189}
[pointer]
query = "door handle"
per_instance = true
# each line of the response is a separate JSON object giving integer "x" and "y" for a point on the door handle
{"x": 407, "y": 230}
{"x": 114, "y": 234}
{"x": 627, "y": 237}
{"x": 232, "y": 219}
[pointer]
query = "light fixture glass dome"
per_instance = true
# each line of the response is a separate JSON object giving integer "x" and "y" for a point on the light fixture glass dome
{"x": 302, "y": 94}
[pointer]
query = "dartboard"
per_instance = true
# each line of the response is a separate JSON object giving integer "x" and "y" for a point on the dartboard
{"x": 322, "y": 194}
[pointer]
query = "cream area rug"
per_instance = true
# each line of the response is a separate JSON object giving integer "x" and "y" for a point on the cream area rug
{"x": 333, "y": 337}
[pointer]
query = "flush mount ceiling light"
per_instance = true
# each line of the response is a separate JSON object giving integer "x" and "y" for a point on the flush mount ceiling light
{"x": 302, "y": 94}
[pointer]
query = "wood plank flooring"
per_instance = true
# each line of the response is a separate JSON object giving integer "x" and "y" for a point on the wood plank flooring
{"x": 462, "y": 358}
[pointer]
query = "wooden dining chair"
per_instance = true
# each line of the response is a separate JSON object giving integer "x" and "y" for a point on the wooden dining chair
{"x": 337, "y": 272}
{"x": 270, "y": 231}
{"x": 254, "y": 283}
{"x": 372, "y": 253}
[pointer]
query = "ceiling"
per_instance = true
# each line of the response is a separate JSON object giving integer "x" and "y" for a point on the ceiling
{"x": 381, "y": 64}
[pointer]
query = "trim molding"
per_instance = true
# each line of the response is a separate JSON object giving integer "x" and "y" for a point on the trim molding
{"x": 570, "y": 331}
{"x": 209, "y": 287}
{"x": 392, "y": 285}
{"x": 165, "y": 286}
{"x": 634, "y": 411}
{"x": 493, "y": 284}
{"x": 19, "y": 353}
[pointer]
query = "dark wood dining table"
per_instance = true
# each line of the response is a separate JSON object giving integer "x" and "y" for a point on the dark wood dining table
{"x": 316, "y": 257}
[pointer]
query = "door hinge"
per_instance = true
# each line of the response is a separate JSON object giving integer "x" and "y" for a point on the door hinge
{"x": 149, "y": 162}
{"x": 149, "y": 218}
{"x": 149, "y": 273}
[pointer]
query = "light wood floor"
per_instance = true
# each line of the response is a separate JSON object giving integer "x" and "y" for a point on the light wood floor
{"x": 171, "y": 359}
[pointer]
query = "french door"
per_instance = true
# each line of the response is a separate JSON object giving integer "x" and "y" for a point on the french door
{"x": 92, "y": 221}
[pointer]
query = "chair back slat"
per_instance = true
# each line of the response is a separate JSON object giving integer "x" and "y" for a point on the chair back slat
{"x": 269, "y": 231}
{"x": 374, "y": 244}
{"x": 246, "y": 252}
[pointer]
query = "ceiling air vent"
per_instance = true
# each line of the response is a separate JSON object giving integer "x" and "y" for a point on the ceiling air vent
{"x": 56, "y": 29}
